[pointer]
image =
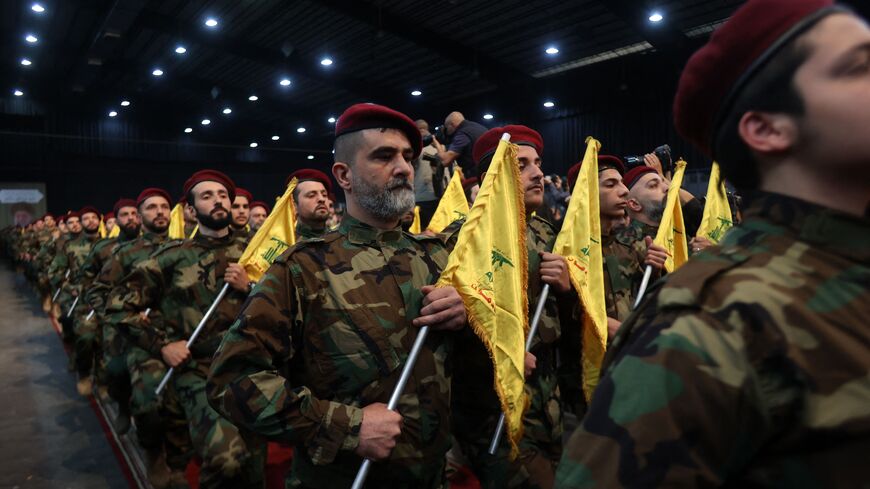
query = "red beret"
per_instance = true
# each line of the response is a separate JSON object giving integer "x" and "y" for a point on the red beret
{"x": 86, "y": 209}
{"x": 109, "y": 215}
{"x": 73, "y": 214}
{"x": 306, "y": 174}
{"x": 372, "y": 116}
{"x": 604, "y": 162}
{"x": 211, "y": 176}
{"x": 716, "y": 74}
{"x": 260, "y": 203}
{"x": 152, "y": 192}
{"x": 122, "y": 203}
{"x": 62, "y": 218}
{"x": 240, "y": 192}
{"x": 488, "y": 142}
{"x": 632, "y": 176}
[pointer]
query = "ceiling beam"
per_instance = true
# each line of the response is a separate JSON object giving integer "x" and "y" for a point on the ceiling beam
{"x": 663, "y": 36}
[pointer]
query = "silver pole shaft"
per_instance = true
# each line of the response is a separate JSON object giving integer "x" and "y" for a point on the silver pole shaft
{"x": 57, "y": 293}
{"x": 360, "y": 479}
{"x": 643, "y": 285}
{"x": 539, "y": 310}
{"x": 72, "y": 308}
{"x": 90, "y": 315}
{"x": 196, "y": 332}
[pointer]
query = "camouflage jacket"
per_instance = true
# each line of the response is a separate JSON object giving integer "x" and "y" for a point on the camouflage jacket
{"x": 90, "y": 271}
{"x": 244, "y": 233}
{"x": 71, "y": 256}
{"x": 327, "y": 331}
{"x": 747, "y": 367}
{"x": 624, "y": 251}
{"x": 118, "y": 266}
{"x": 179, "y": 282}
{"x": 304, "y": 231}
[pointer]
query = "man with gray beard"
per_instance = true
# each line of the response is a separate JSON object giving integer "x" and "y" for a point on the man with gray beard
{"x": 647, "y": 193}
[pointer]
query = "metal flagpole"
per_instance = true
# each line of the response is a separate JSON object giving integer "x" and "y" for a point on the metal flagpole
{"x": 643, "y": 285}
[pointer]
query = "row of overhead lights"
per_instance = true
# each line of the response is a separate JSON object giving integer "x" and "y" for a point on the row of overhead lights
{"x": 654, "y": 17}
{"x": 30, "y": 38}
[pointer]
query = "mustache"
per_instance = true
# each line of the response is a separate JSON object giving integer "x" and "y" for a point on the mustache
{"x": 218, "y": 208}
{"x": 399, "y": 182}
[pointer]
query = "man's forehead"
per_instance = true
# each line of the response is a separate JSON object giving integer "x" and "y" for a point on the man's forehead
{"x": 309, "y": 185}
{"x": 240, "y": 199}
{"x": 156, "y": 199}
{"x": 834, "y": 35}
{"x": 208, "y": 185}
{"x": 526, "y": 151}
{"x": 380, "y": 138}
{"x": 608, "y": 174}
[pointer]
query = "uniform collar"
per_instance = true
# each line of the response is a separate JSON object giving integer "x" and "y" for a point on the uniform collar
{"x": 209, "y": 241}
{"x": 835, "y": 231}
{"x": 358, "y": 232}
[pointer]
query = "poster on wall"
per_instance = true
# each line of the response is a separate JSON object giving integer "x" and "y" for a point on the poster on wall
{"x": 21, "y": 203}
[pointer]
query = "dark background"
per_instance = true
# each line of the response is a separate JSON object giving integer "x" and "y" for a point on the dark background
{"x": 471, "y": 56}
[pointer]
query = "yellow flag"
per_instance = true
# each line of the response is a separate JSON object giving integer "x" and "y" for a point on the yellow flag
{"x": 672, "y": 232}
{"x": 102, "y": 228}
{"x": 579, "y": 242}
{"x": 176, "y": 222}
{"x": 115, "y": 232}
{"x": 717, "y": 211}
{"x": 452, "y": 206}
{"x": 416, "y": 228}
{"x": 277, "y": 233}
{"x": 489, "y": 269}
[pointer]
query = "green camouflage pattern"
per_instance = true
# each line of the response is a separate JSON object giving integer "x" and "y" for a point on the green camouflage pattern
{"x": 304, "y": 231}
{"x": 326, "y": 332}
{"x": 747, "y": 367}
{"x": 624, "y": 251}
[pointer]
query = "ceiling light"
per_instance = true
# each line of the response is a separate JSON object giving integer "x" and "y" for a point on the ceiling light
{"x": 180, "y": 49}
{"x": 112, "y": 113}
{"x": 300, "y": 130}
{"x": 157, "y": 72}
{"x": 416, "y": 93}
{"x": 326, "y": 61}
{"x": 188, "y": 130}
{"x": 37, "y": 8}
{"x": 253, "y": 145}
{"x": 552, "y": 50}
{"x": 30, "y": 38}
{"x": 310, "y": 157}
{"x": 18, "y": 93}
{"x": 655, "y": 17}
{"x": 26, "y": 62}
{"x": 285, "y": 82}
{"x": 487, "y": 116}
{"x": 227, "y": 111}
{"x": 125, "y": 103}
{"x": 205, "y": 122}
{"x": 253, "y": 98}
{"x": 331, "y": 120}
{"x": 276, "y": 137}
{"x": 211, "y": 22}
{"x": 549, "y": 104}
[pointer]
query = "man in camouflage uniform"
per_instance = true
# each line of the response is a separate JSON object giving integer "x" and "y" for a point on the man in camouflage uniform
{"x": 311, "y": 197}
{"x": 88, "y": 332}
{"x": 475, "y": 405}
{"x": 179, "y": 282}
{"x": 84, "y": 230}
{"x": 241, "y": 213}
{"x": 319, "y": 346}
{"x": 750, "y": 365}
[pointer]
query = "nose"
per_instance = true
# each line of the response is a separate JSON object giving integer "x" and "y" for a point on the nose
{"x": 622, "y": 190}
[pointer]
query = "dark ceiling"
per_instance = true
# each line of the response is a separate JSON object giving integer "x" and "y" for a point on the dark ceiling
{"x": 476, "y": 56}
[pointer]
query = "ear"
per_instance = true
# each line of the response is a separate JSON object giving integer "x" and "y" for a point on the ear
{"x": 768, "y": 133}
{"x": 342, "y": 172}
{"x": 634, "y": 205}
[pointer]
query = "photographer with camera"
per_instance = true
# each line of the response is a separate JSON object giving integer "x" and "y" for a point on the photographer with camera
{"x": 462, "y": 135}
{"x": 430, "y": 177}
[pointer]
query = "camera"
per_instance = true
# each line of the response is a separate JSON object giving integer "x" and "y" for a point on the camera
{"x": 440, "y": 134}
{"x": 663, "y": 153}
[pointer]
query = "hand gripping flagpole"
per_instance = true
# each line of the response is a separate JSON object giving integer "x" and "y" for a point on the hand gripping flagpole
{"x": 643, "y": 285}
{"x": 196, "y": 332}
{"x": 394, "y": 398}
{"x": 499, "y": 428}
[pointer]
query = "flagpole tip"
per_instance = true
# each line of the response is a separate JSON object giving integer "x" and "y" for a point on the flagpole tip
{"x": 506, "y": 137}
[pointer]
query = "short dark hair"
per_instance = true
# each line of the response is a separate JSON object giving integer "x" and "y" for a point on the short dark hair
{"x": 772, "y": 89}
{"x": 346, "y": 146}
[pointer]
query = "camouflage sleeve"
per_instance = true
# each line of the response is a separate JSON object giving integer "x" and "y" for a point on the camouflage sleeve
{"x": 135, "y": 293}
{"x": 245, "y": 384}
{"x": 657, "y": 416}
{"x": 58, "y": 267}
{"x": 97, "y": 294}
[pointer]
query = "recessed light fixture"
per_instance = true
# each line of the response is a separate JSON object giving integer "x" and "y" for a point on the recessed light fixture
{"x": 310, "y": 157}
{"x": 188, "y": 130}
{"x": 37, "y": 8}
{"x": 326, "y": 61}
{"x": 157, "y": 72}
{"x": 125, "y": 103}
{"x": 205, "y": 122}
{"x": 180, "y": 49}
{"x": 300, "y": 130}
{"x": 276, "y": 137}
{"x": 552, "y": 50}
{"x": 549, "y": 104}
{"x": 211, "y": 22}
{"x": 26, "y": 62}
{"x": 655, "y": 17}
{"x": 285, "y": 82}
{"x": 254, "y": 144}
{"x": 18, "y": 93}
{"x": 253, "y": 98}
{"x": 30, "y": 38}
{"x": 331, "y": 120}
{"x": 112, "y": 113}
{"x": 416, "y": 93}
{"x": 227, "y": 111}
{"x": 487, "y": 116}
